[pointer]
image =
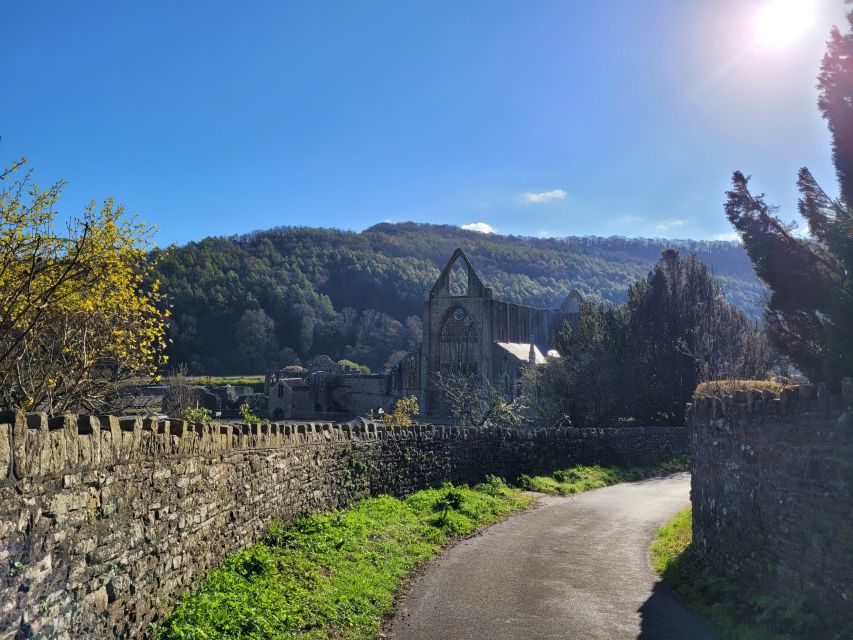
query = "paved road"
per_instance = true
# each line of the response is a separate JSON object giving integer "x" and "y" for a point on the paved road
{"x": 573, "y": 568}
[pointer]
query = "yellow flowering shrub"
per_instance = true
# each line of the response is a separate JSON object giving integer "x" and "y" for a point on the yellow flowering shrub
{"x": 404, "y": 411}
{"x": 80, "y": 314}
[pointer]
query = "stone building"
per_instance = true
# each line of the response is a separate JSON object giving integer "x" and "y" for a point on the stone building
{"x": 328, "y": 391}
{"x": 466, "y": 331}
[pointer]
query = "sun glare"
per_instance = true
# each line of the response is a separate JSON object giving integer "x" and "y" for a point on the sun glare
{"x": 780, "y": 22}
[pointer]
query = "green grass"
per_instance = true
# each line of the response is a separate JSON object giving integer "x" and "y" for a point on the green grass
{"x": 736, "y": 605}
{"x": 255, "y": 382}
{"x": 334, "y": 575}
{"x": 671, "y": 540}
{"x": 582, "y": 478}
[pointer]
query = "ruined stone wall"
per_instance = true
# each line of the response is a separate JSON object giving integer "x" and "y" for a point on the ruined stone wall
{"x": 518, "y": 323}
{"x": 105, "y": 522}
{"x": 771, "y": 490}
{"x": 361, "y": 393}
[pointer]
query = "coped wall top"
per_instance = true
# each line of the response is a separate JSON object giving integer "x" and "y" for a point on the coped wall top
{"x": 33, "y": 446}
{"x": 795, "y": 399}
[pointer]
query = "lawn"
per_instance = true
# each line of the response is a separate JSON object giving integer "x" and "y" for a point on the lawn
{"x": 255, "y": 382}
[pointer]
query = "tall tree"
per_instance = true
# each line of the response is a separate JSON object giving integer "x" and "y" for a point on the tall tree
{"x": 643, "y": 359}
{"x": 680, "y": 332}
{"x": 809, "y": 313}
{"x": 257, "y": 342}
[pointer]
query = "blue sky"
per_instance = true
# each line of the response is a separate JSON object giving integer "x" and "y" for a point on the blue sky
{"x": 536, "y": 118}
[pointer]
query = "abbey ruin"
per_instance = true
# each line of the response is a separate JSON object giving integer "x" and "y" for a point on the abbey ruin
{"x": 466, "y": 330}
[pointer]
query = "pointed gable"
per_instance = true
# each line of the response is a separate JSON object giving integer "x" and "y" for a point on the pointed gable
{"x": 441, "y": 288}
{"x": 572, "y": 303}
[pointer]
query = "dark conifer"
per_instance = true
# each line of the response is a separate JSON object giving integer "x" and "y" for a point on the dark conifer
{"x": 810, "y": 310}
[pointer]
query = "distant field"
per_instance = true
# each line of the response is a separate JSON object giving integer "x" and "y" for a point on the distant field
{"x": 255, "y": 382}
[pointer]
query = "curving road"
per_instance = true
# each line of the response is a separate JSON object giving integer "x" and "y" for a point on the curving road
{"x": 572, "y": 568}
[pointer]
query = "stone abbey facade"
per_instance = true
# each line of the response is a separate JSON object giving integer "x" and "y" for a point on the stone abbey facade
{"x": 466, "y": 330}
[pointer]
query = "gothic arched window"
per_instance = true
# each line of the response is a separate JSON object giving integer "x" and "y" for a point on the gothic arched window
{"x": 458, "y": 343}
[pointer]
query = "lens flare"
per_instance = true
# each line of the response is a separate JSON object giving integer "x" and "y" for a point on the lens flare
{"x": 781, "y": 22}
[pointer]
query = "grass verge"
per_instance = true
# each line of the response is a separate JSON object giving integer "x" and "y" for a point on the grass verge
{"x": 334, "y": 575}
{"x": 734, "y": 603}
{"x": 582, "y": 478}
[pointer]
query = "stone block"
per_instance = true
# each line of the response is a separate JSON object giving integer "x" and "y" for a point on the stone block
{"x": 19, "y": 444}
{"x": 96, "y": 601}
{"x": 89, "y": 436}
{"x": 5, "y": 451}
{"x": 69, "y": 428}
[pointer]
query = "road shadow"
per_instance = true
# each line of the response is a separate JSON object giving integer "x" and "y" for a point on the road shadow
{"x": 664, "y": 617}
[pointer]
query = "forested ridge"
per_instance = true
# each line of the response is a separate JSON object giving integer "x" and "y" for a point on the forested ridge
{"x": 244, "y": 304}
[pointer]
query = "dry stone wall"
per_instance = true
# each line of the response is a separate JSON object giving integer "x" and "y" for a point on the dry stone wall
{"x": 104, "y": 522}
{"x": 771, "y": 490}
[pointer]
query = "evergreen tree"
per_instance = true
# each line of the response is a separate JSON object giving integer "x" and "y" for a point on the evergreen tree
{"x": 681, "y": 332}
{"x": 642, "y": 360}
{"x": 593, "y": 371}
{"x": 810, "y": 311}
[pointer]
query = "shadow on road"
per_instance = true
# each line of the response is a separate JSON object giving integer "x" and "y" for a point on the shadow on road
{"x": 664, "y": 617}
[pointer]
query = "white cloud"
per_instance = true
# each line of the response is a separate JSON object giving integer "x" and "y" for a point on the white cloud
{"x": 544, "y": 233}
{"x": 666, "y": 225}
{"x": 480, "y": 227}
{"x": 544, "y": 196}
{"x": 731, "y": 236}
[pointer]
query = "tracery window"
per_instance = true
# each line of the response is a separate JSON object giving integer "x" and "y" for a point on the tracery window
{"x": 458, "y": 343}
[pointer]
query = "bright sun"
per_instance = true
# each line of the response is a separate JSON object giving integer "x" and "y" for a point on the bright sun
{"x": 780, "y": 22}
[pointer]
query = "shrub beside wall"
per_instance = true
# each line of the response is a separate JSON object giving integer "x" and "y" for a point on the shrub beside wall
{"x": 104, "y": 521}
{"x": 772, "y": 490}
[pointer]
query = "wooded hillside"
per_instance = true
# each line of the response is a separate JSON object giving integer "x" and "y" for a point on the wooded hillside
{"x": 248, "y": 303}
